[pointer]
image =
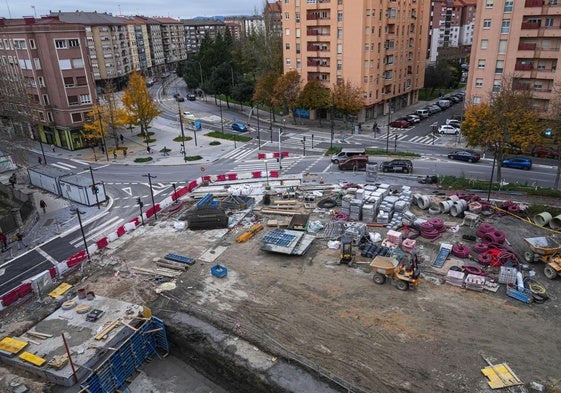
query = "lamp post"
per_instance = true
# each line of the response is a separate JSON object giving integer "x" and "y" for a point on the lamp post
{"x": 75, "y": 210}
{"x": 332, "y": 106}
{"x": 221, "y": 119}
{"x": 258, "y": 130}
{"x": 281, "y": 130}
{"x": 267, "y": 172}
{"x": 182, "y": 132}
{"x": 140, "y": 204}
{"x": 174, "y": 192}
{"x": 102, "y": 133}
{"x": 492, "y": 174}
{"x": 388, "y": 129}
{"x": 95, "y": 190}
{"x": 42, "y": 150}
{"x": 304, "y": 145}
{"x": 150, "y": 177}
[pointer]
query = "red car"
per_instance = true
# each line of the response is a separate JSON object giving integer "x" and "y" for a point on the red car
{"x": 545, "y": 151}
{"x": 400, "y": 123}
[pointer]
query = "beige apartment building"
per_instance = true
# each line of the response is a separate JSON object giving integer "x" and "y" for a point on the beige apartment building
{"x": 378, "y": 46}
{"x": 138, "y": 42}
{"x": 518, "y": 42}
{"x": 173, "y": 40}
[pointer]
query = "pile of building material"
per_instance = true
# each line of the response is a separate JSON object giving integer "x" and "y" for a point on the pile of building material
{"x": 206, "y": 214}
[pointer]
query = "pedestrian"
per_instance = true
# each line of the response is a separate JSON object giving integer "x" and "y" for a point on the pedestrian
{"x": 166, "y": 151}
{"x": 40, "y": 160}
{"x": 148, "y": 149}
{"x": 19, "y": 239}
{"x": 114, "y": 154}
{"x": 122, "y": 138}
{"x": 4, "y": 241}
{"x": 53, "y": 147}
{"x": 13, "y": 180}
{"x": 102, "y": 149}
{"x": 125, "y": 153}
{"x": 181, "y": 149}
{"x": 43, "y": 206}
{"x": 374, "y": 127}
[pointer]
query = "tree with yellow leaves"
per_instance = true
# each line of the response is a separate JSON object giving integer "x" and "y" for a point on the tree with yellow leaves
{"x": 507, "y": 119}
{"x": 347, "y": 99}
{"x": 139, "y": 104}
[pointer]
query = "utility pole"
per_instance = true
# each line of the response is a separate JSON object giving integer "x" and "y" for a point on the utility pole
{"x": 150, "y": 177}
{"x": 95, "y": 190}
{"x": 332, "y": 106}
{"x": 388, "y": 130}
{"x": 258, "y": 131}
{"x": 182, "y": 132}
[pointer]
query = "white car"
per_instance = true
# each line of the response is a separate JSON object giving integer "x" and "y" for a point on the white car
{"x": 453, "y": 123}
{"x": 448, "y": 129}
{"x": 189, "y": 116}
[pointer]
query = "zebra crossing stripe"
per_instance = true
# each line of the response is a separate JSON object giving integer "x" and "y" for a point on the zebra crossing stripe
{"x": 61, "y": 165}
{"x": 113, "y": 222}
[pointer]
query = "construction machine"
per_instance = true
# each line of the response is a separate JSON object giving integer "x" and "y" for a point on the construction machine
{"x": 547, "y": 250}
{"x": 347, "y": 253}
{"x": 404, "y": 274}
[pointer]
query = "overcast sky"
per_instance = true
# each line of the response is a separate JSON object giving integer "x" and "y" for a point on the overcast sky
{"x": 183, "y": 9}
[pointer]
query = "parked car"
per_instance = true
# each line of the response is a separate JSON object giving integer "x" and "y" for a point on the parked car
{"x": 455, "y": 99}
{"x": 189, "y": 116}
{"x": 178, "y": 98}
{"x": 453, "y": 123}
{"x": 444, "y": 103}
{"x": 423, "y": 113}
{"x": 434, "y": 109}
{"x": 405, "y": 166}
{"x": 448, "y": 129}
{"x": 355, "y": 163}
{"x": 191, "y": 96}
{"x": 412, "y": 118}
{"x": 464, "y": 155}
{"x": 240, "y": 127}
{"x": 545, "y": 151}
{"x": 518, "y": 163}
{"x": 400, "y": 123}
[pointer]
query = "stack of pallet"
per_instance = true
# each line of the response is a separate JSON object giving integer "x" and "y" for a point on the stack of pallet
{"x": 455, "y": 278}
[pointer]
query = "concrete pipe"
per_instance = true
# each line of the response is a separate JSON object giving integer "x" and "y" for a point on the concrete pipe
{"x": 445, "y": 206}
{"x": 423, "y": 202}
{"x": 457, "y": 209}
{"x": 555, "y": 222}
{"x": 542, "y": 219}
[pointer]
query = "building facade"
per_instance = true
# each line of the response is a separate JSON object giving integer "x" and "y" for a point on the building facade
{"x": 53, "y": 59}
{"x": 173, "y": 41}
{"x": 196, "y": 29}
{"x": 517, "y": 43}
{"x": 378, "y": 46}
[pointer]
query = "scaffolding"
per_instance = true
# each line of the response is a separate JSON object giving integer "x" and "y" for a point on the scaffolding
{"x": 111, "y": 375}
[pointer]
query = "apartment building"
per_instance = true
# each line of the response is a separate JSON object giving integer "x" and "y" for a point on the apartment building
{"x": 52, "y": 58}
{"x": 453, "y": 23}
{"x": 137, "y": 31}
{"x": 517, "y": 42}
{"x": 173, "y": 40}
{"x": 272, "y": 14}
{"x": 242, "y": 25}
{"x": 155, "y": 46}
{"x": 378, "y": 46}
{"x": 196, "y": 29}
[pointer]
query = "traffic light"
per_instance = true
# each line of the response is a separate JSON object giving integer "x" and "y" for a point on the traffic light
{"x": 95, "y": 190}
{"x": 139, "y": 202}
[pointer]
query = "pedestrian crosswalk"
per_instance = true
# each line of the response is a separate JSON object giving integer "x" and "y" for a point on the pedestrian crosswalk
{"x": 242, "y": 152}
{"x": 67, "y": 166}
{"x": 420, "y": 139}
{"x": 95, "y": 232}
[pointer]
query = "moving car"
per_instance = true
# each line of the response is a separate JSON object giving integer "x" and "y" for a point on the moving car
{"x": 405, "y": 166}
{"x": 355, "y": 163}
{"x": 464, "y": 155}
{"x": 191, "y": 96}
{"x": 518, "y": 163}
{"x": 189, "y": 116}
{"x": 400, "y": 123}
{"x": 240, "y": 127}
{"x": 178, "y": 98}
{"x": 448, "y": 129}
{"x": 345, "y": 154}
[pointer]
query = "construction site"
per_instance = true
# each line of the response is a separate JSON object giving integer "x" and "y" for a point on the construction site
{"x": 292, "y": 285}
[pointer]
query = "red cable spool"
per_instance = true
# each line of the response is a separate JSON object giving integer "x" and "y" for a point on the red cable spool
{"x": 500, "y": 236}
{"x": 485, "y": 259}
{"x": 473, "y": 270}
{"x": 460, "y": 250}
{"x": 438, "y": 224}
{"x": 484, "y": 228}
{"x": 515, "y": 208}
{"x": 480, "y": 247}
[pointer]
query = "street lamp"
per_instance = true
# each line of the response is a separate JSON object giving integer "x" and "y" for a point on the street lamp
{"x": 150, "y": 177}
{"x": 221, "y": 119}
{"x": 182, "y": 132}
{"x": 389, "y": 121}
{"x": 492, "y": 174}
{"x": 102, "y": 133}
{"x": 258, "y": 131}
{"x": 41, "y": 144}
{"x": 332, "y": 106}
{"x": 267, "y": 172}
{"x": 280, "y": 133}
{"x": 174, "y": 192}
{"x": 140, "y": 204}
{"x": 75, "y": 210}
{"x": 95, "y": 190}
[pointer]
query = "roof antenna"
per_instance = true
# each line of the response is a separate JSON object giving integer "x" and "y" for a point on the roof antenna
{"x": 8, "y": 6}
{"x": 34, "y": 11}
{"x": 120, "y": 13}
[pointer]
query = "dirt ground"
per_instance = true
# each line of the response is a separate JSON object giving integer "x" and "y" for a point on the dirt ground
{"x": 373, "y": 338}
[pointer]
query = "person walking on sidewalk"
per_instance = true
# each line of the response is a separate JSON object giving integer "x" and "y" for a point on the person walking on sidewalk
{"x": 19, "y": 239}
{"x": 40, "y": 160}
{"x": 122, "y": 138}
{"x": 43, "y": 206}
{"x": 53, "y": 147}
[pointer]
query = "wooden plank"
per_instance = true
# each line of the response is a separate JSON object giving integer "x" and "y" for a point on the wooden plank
{"x": 107, "y": 329}
{"x": 281, "y": 212}
{"x": 153, "y": 272}
{"x": 33, "y": 341}
{"x": 129, "y": 326}
{"x": 171, "y": 266}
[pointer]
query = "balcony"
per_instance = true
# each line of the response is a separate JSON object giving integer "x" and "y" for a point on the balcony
{"x": 530, "y": 25}
{"x": 523, "y": 67}
{"x": 533, "y": 3}
{"x": 521, "y": 86}
{"x": 529, "y": 46}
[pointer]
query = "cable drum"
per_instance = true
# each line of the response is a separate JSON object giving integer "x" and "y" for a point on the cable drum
{"x": 484, "y": 228}
{"x": 485, "y": 259}
{"x": 480, "y": 247}
{"x": 460, "y": 250}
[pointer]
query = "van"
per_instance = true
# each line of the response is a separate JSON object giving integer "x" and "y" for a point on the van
{"x": 444, "y": 103}
{"x": 345, "y": 154}
{"x": 423, "y": 113}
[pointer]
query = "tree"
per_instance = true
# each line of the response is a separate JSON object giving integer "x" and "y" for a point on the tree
{"x": 243, "y": 90}
{"x": 221, "y": 81}
{"x": 554, "y": 123}
{"x": 264, "y": 89}
{"x": 348, "y": 99}
{"x": 139, "y": 105}
{"x": 286, "y": 91}
{"x": 508, "y": 118}
{"x": 314, "y": 96}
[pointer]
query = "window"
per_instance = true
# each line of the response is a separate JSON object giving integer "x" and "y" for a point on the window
{"x": 41, "y": 81}
{"x": 502, "y": 46}
{"x": 505, "y": 27}
{"x": 60, "y": 44}
{"x": 481, "y": 64}
{"x": 20, "y": 44}
{"x": 489, "y": 3}
{"x": 479, "y": 82}
{"x": 37, "y": 63}
{"x": 76, "y": 117}
{"x": 339, "y": 33}
{"x": 73, "y": 100}
{"x": 32, "y": 44}
{"x": 286, "y": 16}
{"x": 50, "y": 116}
{"x": 339, "y": 49}
{"x": 486, "y": 23}
{"x": 496, "y": 85}
{"x": 339, "y": 16}
{"x": 287, "y": 46}
{"x": 298, "y": 33}
{"x": 297, "y": 17}
{"x": 508, "y": 6}
{"x": 64, "y": 64}
{"x": 298, "y": 63}
{"x": 484, "y": 44}
{"x": 85, "y": 99}
{"x": 339, "y": 65}
{"x": 476, "y": 100}
{"x": 499, "y": 67}
{"x": 287, "y": 61}
{"x": 73, "y": 43}
{"x": 297, "y": 49}
{"x": 538, "y": 85}
{"x": 548, "y": 22}
{"x": 68, "y": 81}
{"x": 287, "y": 32}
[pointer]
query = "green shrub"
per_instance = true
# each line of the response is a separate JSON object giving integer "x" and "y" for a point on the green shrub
{"x": 182, "y": 139}
{"x": 193, "y": 158}
{"x": 143, "y": 159}
{"x": 228, "y": 136}
{"x": 215, "y": 143}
